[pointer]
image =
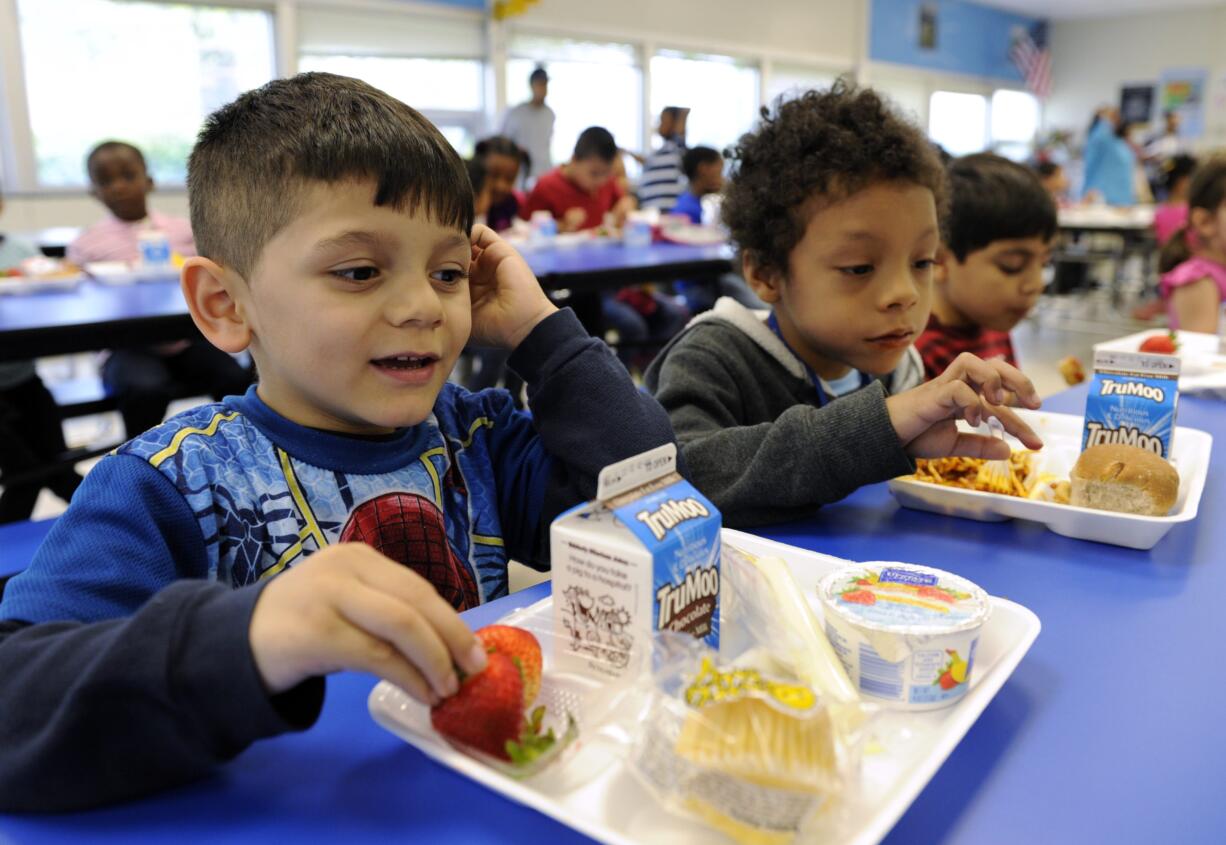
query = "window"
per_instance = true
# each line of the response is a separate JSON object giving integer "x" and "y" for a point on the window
{"x": 435, "y": 63}
{"x": 141, "y": 72}
{"x": 590, "y": 84}
{"x": 790, "y": 81}
{"x": 958, "y": 122}
{"x": 1015, "y": 122}
{"x": 721, "y": 92}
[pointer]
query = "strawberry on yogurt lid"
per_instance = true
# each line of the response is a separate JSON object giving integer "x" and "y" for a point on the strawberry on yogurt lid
{"x": 904, "y": 598}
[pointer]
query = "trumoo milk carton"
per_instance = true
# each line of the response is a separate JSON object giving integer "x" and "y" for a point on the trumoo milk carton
{"x": 1132, "y": 400}
{"x": 643, "y": 557}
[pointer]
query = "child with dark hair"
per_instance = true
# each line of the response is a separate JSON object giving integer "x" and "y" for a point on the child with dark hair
{"x": 1171, "y": 215}
{"x": 144, "y": 380}
{"x": 1054, "y": 180}
{"x": 209, "y": 573}
{"x": 1193, "y": 262}
{"x": 503, "y": 161}
{"x": 704, "y": 173}
{"x": 833, "y": 203}
{"x": 989, "y": 270}
{"x": 582, "y": 191}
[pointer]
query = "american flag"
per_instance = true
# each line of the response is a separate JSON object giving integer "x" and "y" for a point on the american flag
{"x": 1029, "y": 52}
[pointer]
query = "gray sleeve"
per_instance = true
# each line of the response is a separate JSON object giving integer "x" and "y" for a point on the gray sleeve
{"x": 774, "y": 471}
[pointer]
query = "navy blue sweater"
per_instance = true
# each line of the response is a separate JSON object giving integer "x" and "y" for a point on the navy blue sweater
{"x": 124, "y": 647}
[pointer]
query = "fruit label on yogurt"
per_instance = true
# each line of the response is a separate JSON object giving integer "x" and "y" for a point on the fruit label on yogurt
{"x": 1132, "y": 401}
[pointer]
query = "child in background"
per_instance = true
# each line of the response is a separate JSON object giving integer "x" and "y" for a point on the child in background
{"x": 833, "y": 204}
{"x": 704, "y": 172}
{"x": 989, "y": 270}
{"x": 144, "y": 380}
{"x": 1171, "y": 215}
{"x": 503, "y": 160}
{"x": 581, "y": 192}
{"x": 31, "y": 434}
{"x": 662, "y": 180}
{"x": 1193, "y": 262}
{"x": 1054, "y": 180}
{"x": 211, "y": 572}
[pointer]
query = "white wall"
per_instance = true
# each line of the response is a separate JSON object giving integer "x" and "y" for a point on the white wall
{"x": 1092, "y": 58}
{"x": 827, "y": 31}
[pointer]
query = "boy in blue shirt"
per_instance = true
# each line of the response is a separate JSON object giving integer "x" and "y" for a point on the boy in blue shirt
{"x": 704, "y": 171}
{"x": 148, "y": 640}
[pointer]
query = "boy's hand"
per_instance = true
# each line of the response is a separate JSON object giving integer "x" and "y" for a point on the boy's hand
{"x": 572, "y": 220}
{"x": 507, "y": 299}
{"x": 971, "y": 389}
{"x": 349, "y": 607}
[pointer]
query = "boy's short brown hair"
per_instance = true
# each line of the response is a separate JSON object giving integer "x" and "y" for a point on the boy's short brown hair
{"x": 821, "y": 148}
{"x": 254, "y": 155}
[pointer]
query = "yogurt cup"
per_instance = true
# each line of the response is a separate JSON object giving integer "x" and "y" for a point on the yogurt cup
{"x": 906, "y": 634}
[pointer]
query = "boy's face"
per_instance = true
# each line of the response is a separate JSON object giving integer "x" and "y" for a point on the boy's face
{"x": 995, "y": 287}
{"x": 709, "y": 179}
{"x": 859, "y": 281}
{"x": 591, "y": 173}
{"x": 120, "y": 182}
{"x": 357, "y": 312}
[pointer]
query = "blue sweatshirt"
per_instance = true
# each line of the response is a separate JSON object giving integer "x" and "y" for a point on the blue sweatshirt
{"x": 124, "y": 647}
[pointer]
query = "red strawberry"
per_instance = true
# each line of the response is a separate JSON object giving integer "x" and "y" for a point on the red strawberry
{"x": 947, "y": 681}
{"x": 859, "y": 597}
{"x": 1162, "y": 344}
{"x": 488, "y": 711}
{"x": 521, "y": 647}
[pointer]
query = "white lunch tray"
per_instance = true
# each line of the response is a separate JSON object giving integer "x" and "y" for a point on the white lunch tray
{"x": 125, "y": 273}
{"x": 1061, "y": 434}
{"x": 613, "y": 806}
{"x": 26, "y": 285}
{"x": 1202, "y": 367}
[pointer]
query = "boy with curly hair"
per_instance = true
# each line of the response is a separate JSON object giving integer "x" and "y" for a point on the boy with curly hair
{"x": 833, "y": 203}
{"x": 211, "y": 572}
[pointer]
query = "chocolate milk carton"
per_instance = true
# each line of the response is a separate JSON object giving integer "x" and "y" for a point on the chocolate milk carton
{"x": 643, "y": 557}
{"x": 1133, "y": 398}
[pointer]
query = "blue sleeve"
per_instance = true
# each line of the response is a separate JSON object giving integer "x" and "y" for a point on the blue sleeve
{"x": 690, "y": 206}
{"x": 123, "y": 673}
{"x": 1092, "y": 156}
{"x": 127, "y": 534}
{"x": 586, "y": 414}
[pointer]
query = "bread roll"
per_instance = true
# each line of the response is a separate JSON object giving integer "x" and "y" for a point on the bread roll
{"x": 1113, "y": 477}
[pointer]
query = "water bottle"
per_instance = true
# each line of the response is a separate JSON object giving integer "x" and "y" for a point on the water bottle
{"x": 154, "y": 248}
{"x": 636, "y": 232}
{"x": 544, "y": 228}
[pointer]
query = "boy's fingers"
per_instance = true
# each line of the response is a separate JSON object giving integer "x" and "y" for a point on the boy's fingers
{"x": 402, "y": 628}
{"x": 962, "y": 401}
{"x": 971, "y": 445}
{"x": 1016, "y": 426}
{"x": 355, "y": 649}
{"x": 391, "y": 578}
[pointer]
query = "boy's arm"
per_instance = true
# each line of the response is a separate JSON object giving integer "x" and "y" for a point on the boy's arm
{"x": 136, "y": 673}
{"x": 772, "y": 471}
{"x": 586, "y": 414}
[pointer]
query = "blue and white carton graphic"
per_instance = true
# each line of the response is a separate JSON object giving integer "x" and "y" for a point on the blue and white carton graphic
{"x": 1132, "y": 401}
{"x": 643, "y": 557}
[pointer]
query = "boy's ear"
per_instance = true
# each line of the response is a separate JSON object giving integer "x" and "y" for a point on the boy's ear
{"x": 1200, "y": 218}
{"x": 940, "y": 268}
{"x": 765, "y": 283}
{"x": 212, "y": 295}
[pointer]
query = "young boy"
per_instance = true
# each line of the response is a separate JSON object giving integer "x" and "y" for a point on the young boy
{"x": 1054, "y": 180}
{"x": 149, "y": 641}
{"x": 580, "y": 192}
{"x": 704, "y": 170}
{"x": 144, "y": 380}
{"x": 834, "y": 208}
{"x": 662, "y": 183}
{"x": 989, "y": 271}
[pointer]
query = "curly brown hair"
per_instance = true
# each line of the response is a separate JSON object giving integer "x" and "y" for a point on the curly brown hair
{"x": 812, "y": 151}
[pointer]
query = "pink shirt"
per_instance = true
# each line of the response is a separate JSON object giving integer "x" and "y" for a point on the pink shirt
{"x": 1192, "y": 270}
{"x": 1168, "y": 220}
{"x": 112, "y": 239}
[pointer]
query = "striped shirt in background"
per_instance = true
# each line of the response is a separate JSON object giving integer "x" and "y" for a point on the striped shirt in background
{"x": 662, "y": 180}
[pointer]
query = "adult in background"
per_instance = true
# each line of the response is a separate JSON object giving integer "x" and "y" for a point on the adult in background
{"x": 1110, "y": 163}
{"x": 663, "y": 177}
{"x": 530, "y": 125}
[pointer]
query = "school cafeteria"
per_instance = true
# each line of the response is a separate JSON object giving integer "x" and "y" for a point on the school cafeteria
{"x": 524, "y": 421}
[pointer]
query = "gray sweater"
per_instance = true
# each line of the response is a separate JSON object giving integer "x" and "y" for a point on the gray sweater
{"x": 748, "y": 422}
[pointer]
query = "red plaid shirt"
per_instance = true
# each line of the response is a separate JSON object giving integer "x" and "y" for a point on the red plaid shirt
{"x": 939, "y": 345}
